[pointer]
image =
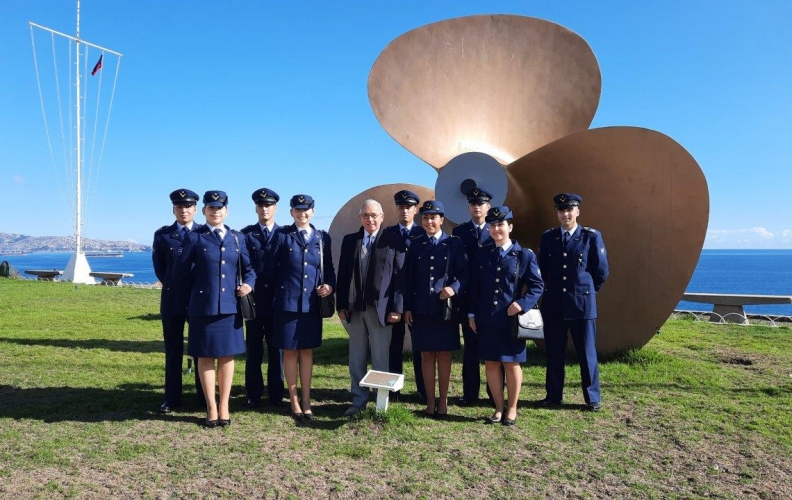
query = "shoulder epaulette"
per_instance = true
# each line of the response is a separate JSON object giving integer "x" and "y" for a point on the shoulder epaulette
{"x": 549, "y": 230}
{"x": 590, "y": 229}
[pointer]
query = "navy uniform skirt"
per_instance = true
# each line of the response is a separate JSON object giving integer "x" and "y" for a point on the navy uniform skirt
{"x": 215, "y": 336}
{"x": 497, "y": 344}
{"x": 431, "y": 334}
{"x": 293, "y": 330}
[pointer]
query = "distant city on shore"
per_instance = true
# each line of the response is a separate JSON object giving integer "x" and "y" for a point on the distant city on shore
{"x": 19, "y": 243}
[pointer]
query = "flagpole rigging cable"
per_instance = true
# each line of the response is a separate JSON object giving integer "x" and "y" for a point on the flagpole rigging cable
{"x": 78, "y": 268}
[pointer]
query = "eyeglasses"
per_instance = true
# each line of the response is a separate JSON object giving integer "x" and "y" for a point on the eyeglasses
{"x": 369, "y": 216}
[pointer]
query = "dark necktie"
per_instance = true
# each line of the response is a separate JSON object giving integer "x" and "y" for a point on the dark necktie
{"x": 566, "y": 238}
{"x": 219, "y": 235}
{"x": 266, "y": 233}
{"x": 478, "y": 233}
{"x": 433, "y": 240}
{"x": 185, "y": 231}
{"x": 405, "y": 233}
{"x": 304, "y": 234}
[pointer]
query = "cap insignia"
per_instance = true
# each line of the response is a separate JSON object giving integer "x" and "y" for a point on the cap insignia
{"x": 215, "y": 196}
{"x": 182, "y": 193}
{"x": 301, "y": 199}
{"x": 562, "y": 198}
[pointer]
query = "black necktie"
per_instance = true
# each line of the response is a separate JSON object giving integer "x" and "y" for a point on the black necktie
{"x": 566, "y": 238}
{"x": 405, "y": 233}
{"x": 266, "y": 233}
{"x": 219, "y": 235}
{"x": 185, "y": 231}
{"x": 433, "y": 240}
{"x": 304, "y": 234}
{"x": 478, "y": 232}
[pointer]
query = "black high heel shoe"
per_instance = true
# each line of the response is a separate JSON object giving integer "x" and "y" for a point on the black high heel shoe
{"x": 297, "y": 415}
{"x": 223, "y": 422}
{"x": 211, "y": 423}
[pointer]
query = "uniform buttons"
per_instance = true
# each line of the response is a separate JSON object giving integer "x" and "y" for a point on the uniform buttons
{"x": 497, "y": 280}
{"x": 564, "y": 278}
{"x": 432, "y": 257}
{"x": 305, "y": 289}
{"x": 565, "y": 254}
{"x": 564, "y": 266}
{"x": 222, "y": 289}
{"x": 306, "y": 250}
{"x": 200, "y": 291}
{"x": 431, "y": 268}
{"x": 497, "y": 291}
{"x": 495, "y": 303}
{"x": 497, "y": 269}
{"x": 266, "y": 286}
{"x": 563, "y": 289}
{"x": 222, "y": 275}
{"x": 305, "y": 276}
{"x": 305, "y": 263}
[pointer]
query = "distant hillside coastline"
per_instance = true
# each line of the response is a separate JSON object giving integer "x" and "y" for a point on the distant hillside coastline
{"x": 20, "y": 243}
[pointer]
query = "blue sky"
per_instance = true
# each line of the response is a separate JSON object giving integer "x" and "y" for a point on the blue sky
{"x": 243, "y": 94}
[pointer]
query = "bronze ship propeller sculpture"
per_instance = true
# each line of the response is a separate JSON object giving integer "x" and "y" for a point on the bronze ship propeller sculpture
{"x": 504, "y": 102}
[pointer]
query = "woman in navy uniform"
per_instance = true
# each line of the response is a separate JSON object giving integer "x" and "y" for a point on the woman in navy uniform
{"x": 216, "y": 254}
{"x": 436, "y": 269}
{"x": 498, "y": 290}
{"x": 297, "y": 319}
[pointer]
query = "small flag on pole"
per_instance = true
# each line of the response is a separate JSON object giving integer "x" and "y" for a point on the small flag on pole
{"x": 98, "y": 65}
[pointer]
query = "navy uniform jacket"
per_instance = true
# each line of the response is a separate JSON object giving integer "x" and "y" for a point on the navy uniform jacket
{"x": 297, "y": 269}
{"x": 415, "y": 232}
{"x": 467, "y": 232}
{"x": 175, "y": 294}
{"x": 492, "y": 284}
{"x": 264, "y": 264}
{"x": 425, "y": 274}
{"x": 572, "y": 275}
{"x": 214, "y": 270}
{"x": 383, "y": 280}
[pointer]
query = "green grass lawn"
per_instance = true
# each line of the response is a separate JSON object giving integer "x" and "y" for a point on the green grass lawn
{"x": 702, "y": 411}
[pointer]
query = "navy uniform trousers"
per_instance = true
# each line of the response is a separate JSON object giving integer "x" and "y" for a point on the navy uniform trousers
{"x": 173, "y": 335}
{"x": 256, "y": 332}
{"x": 396, "y": 358}
{"x": 583, "y": 332}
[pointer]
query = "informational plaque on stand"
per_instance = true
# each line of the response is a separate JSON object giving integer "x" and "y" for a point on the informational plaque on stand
{"x": 384, "y": 382}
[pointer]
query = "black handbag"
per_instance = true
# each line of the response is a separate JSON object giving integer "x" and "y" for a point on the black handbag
{"x": 246, "y": 304}
{"x": 328, "y": 303}
{"x": 445, "y": 307}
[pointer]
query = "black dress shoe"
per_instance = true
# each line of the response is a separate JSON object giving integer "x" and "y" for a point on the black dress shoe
{"x": 509, "y": 421}
{"x": 223, "y": 422}
{"x": 167, "y": 407}
{"x": 440, "y": 416}
{"x": 494, "y": 419}
{"x": 549, "y": 403}
{"x": 211, "y": 423}
{"x": 592, "y": 407}
{"x": 253, "y": 403}
{"x": 465, "y": 401}
{"x": 297, "y": 415}
{"x": 308, "y": 415}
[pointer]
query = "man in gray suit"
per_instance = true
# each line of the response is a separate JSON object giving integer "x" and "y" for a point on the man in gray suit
{"x": 369, "y": 299}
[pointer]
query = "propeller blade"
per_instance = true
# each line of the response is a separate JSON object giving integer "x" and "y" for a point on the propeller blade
{"x": 648, "y": 197}
{"x": 497, "y": 84}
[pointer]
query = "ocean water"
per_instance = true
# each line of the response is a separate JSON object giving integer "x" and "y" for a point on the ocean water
{"x": 756, "y": 272}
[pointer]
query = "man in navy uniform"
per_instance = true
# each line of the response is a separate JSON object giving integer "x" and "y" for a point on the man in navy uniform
{"x": 258, "y": 238}
{"x": 369, "y": 296}
{"x": 175, "y": 294}
{"x": 574, "y": 265}
{"x": 407, "y": 206}
{"x": 474, "y": 234}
